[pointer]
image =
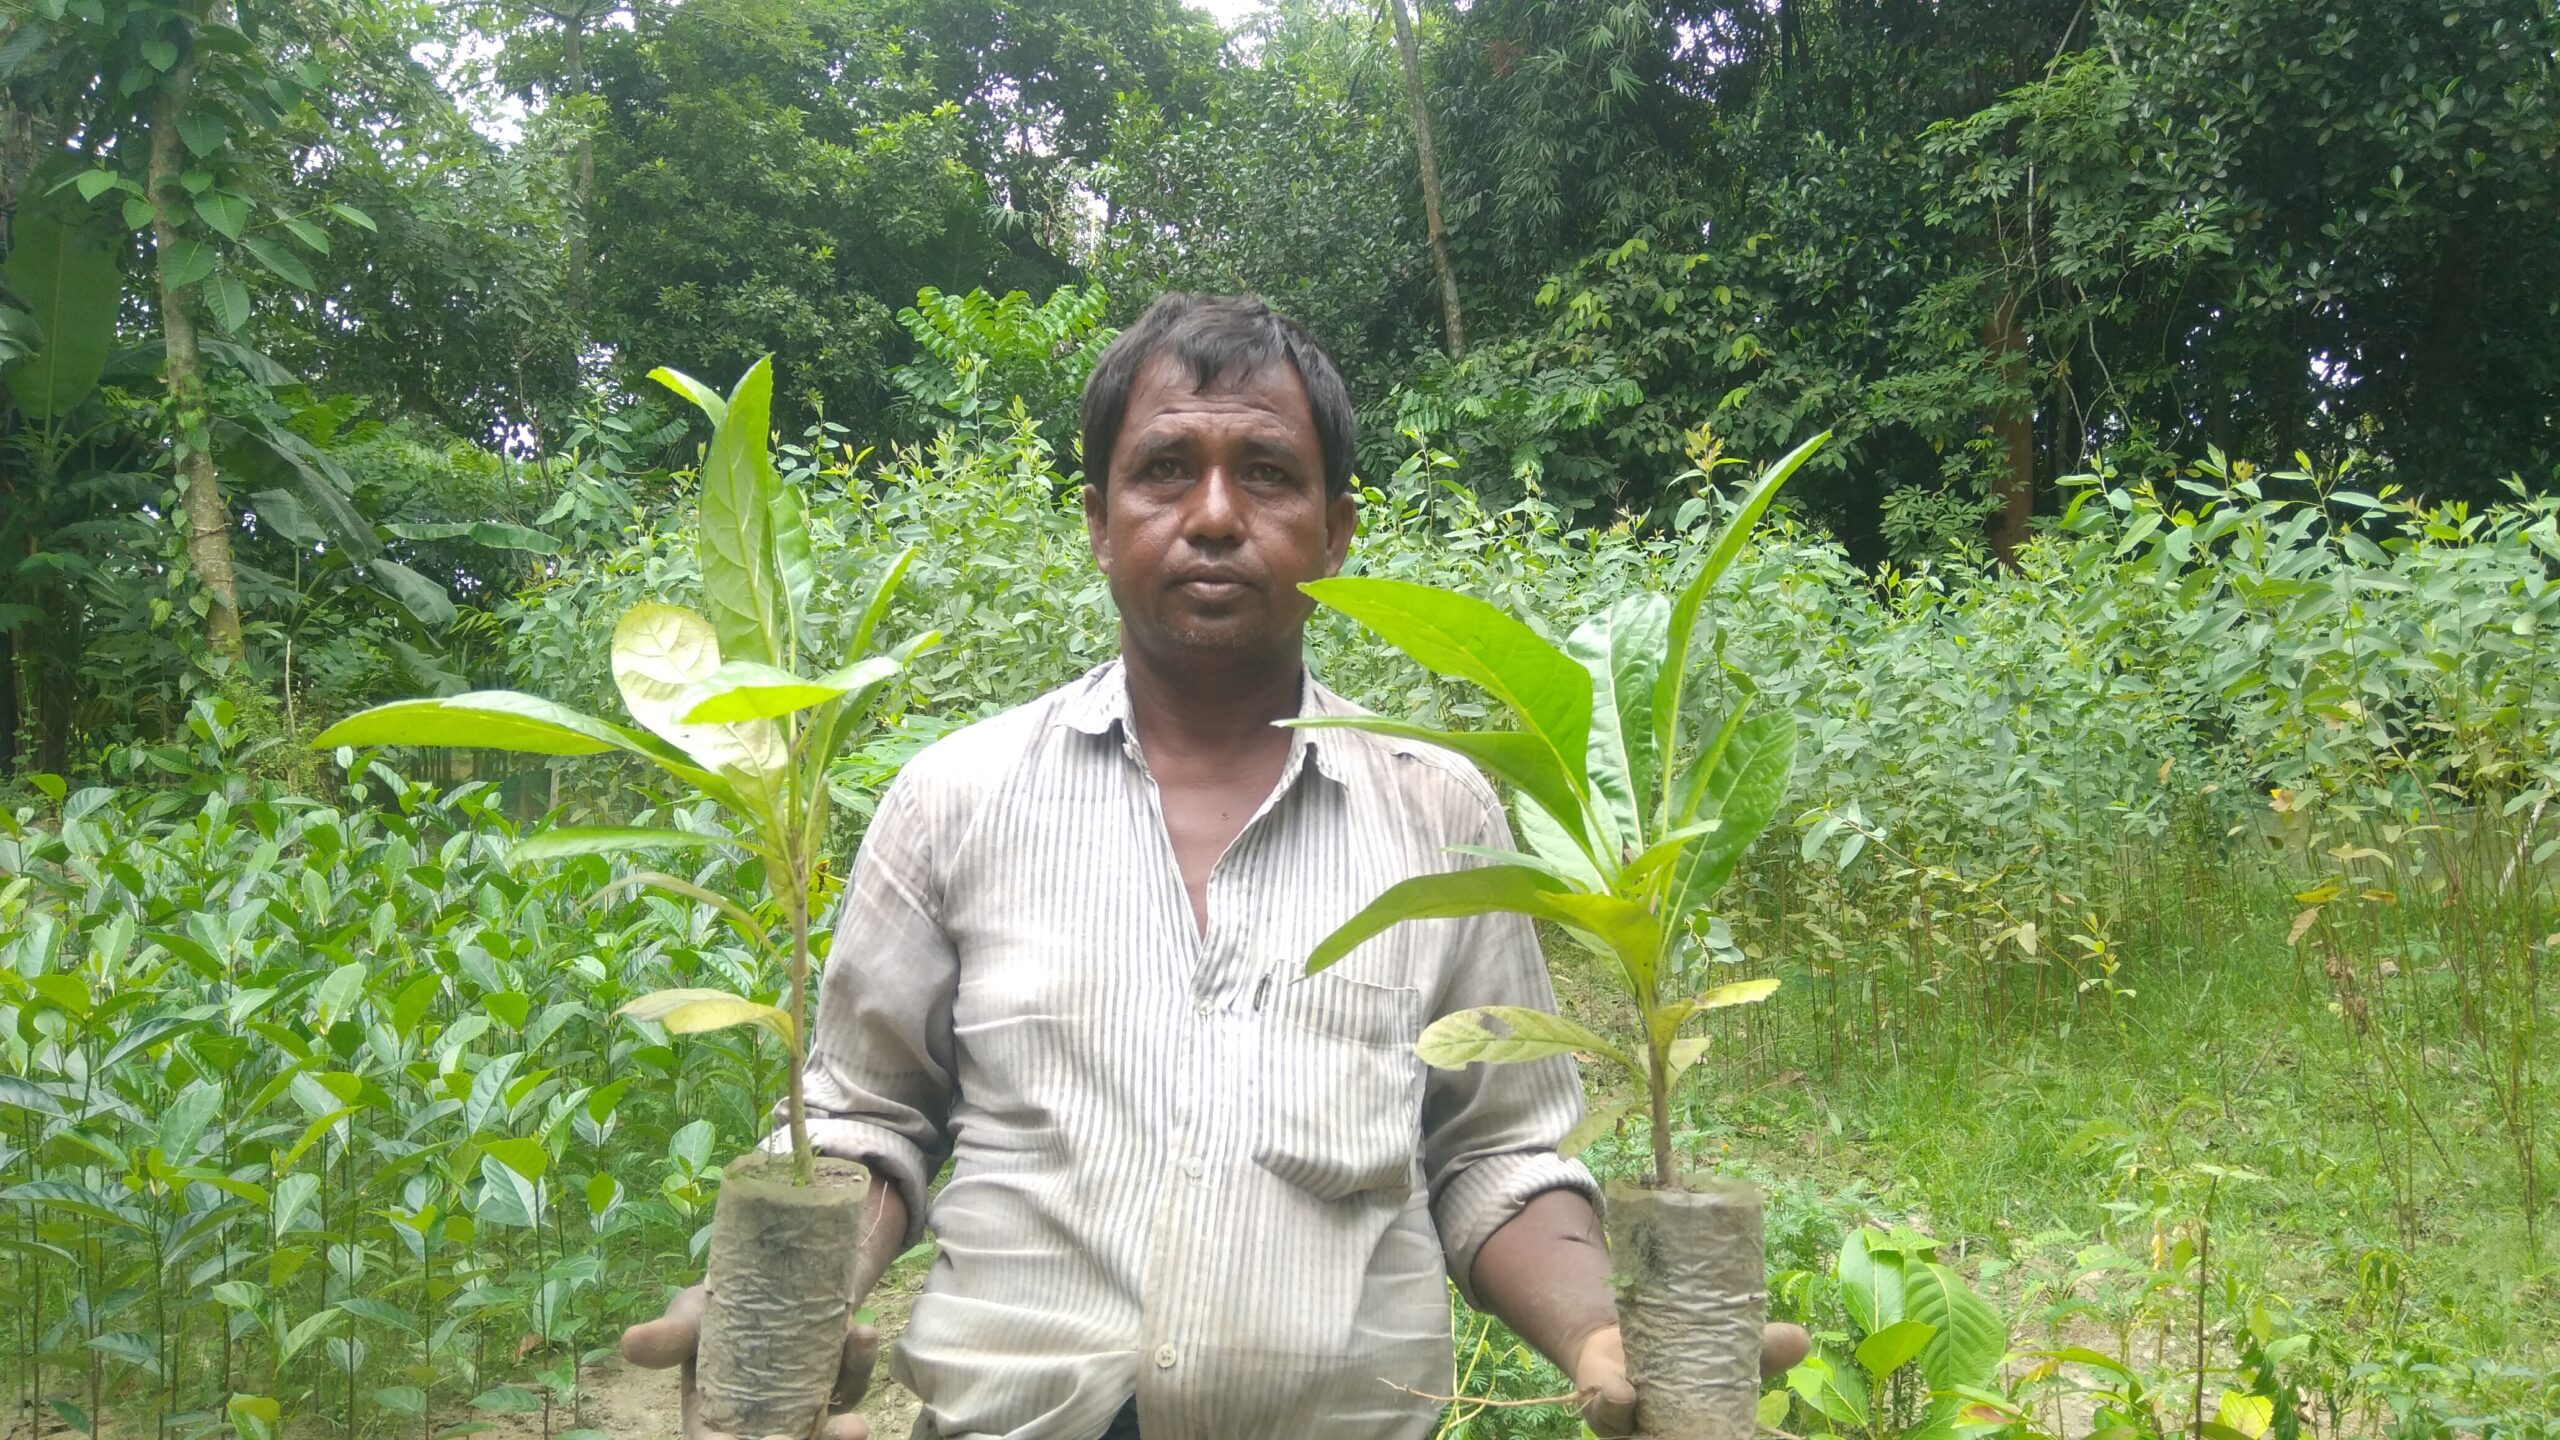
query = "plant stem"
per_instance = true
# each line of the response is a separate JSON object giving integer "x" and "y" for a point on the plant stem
{"x": 1658, "y": 1083}
{"x": 804, "y": 1162}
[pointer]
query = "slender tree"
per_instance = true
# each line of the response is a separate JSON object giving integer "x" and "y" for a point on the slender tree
{"x": 1453, "y": 325}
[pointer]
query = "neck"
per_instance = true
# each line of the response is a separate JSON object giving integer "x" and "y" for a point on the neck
{"x": 1224, "y": 708}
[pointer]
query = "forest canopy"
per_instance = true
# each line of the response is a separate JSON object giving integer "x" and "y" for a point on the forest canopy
{"x": 327, "y": 322}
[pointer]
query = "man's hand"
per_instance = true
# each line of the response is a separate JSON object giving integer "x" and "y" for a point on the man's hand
{"x": 1601, "y": 1366}
{"x": 670, "y": 1340}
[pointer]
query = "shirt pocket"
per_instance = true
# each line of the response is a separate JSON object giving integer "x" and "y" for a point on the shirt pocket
{"x": 1341, "y": 1089}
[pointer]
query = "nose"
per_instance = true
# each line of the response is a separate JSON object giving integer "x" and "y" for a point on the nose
{"x": 1214, "y": 518}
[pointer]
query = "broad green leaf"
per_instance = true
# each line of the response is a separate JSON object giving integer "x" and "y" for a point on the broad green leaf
{"x": 690, "y": 1012}
{"x": 1740, "y": 992}
{"x": 1662, "y": 853}
{"x": 563, "y": 841}
{"x": 742, "y": 581}
{"x": 1525, "y": 762}
{"x": 380, "y": 1312}
{"x": 1594, "y": 1124}
{"x": 223, "y": 211}
{"x": 693, "y": 390}
{"x": 66, "y": 275}
{"x": 203, "y": 131}
{"x": 673, "y": 885}
{"x": 506, "y": 1197}
{"x": 1682, "y": 1054}
{"x": 128, "y": 1347}
{"x": 1464, "y": 638}
{"x": 1684, "y": 611}
{"x": 308, "y": 1329}
{"x": 1552, "y": 841}
{"x": 742, "y": 690}
{"x": 877, "y": 608}
{"x": 353, "y": 216}
{"x": 1507, "y": 1034}
{"x": 1837, "y": 1394}
{"x": 27, "y": 1095}
{"x": 1622, "y": 928}
{"x": 1970, "y": 1338}
{"x": 2244, "y": 1414}
{"x": 416, "y": 593}
{"x": 1871, "y": 1288}
{"x": 523, "y": 1155}
{"x": 1742, "y": 792}
{"x": 255, "y": 1417}
{"x": 1894, "y": 1346}
{"x": 484, "y": 719}
{"x": 1621, "y": 651}
{"x": 659, "y": 651}
{"x": 279, "y": 262}
{"x": 1483, "y": 890}
{"x": 1772, "y": 1410}
{"x": 228, "y": 299}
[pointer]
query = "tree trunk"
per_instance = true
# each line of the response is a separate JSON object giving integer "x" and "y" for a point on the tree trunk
{"x": 208, "y": 519}
{"x": 583, "y": 188}
{"x": 1454, "y": 328}
{"x": 8, "y": 703}
{"x": 2014, "y": 427}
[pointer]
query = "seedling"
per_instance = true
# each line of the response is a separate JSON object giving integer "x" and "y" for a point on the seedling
{"x": 1627, "y": 845}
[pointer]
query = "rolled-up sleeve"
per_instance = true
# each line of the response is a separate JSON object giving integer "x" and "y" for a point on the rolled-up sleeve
{"x": 1490, "y": 1131}
{"x": 878, "y": 1080}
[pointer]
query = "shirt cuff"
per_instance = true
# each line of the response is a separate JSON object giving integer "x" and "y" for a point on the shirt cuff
{"x": 1483, "y": 1197}
{"x": 890, "y": 1156}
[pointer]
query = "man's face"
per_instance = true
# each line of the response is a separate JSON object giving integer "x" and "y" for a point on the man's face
{"x": 1213, "y": 513}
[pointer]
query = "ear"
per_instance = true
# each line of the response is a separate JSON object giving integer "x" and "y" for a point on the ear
{"x": 1341, "y": 522}
{"x": 1097, "y": 524}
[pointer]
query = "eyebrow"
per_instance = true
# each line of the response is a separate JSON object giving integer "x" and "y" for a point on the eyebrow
{"x": 1258, "y": 446}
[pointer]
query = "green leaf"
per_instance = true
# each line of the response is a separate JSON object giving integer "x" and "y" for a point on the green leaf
{"x": 1748, "y": 778}
{"x": 493, "y": 534}
{"x": 693, "y": 390}
{"x": 1684, "y": 611}
{"x": 743, "y": 690}
{"x": 563, "y": 841}
{"x": 507, "y": 1198}
{"x": 161, "y": 54}
{"x": 1894, "y": 1346}
{"x": 353, "y": 216}
{"x": 280, "y": 262}
{"x": 877, "y": 609}
{"x": 1483, "y": 890}
{"x": 792, "y": 560}
{"x": 27, "y": 1095}
{"x": 1525, "y": 762}
{"x": 1681, "y": 1054}
{"x": 483, "y": 719}
{"x": 742, "y": 579}
{"x": 1871, "y": 1287}
{"x": 313, "y": 238}
{"x": 689, "y": 1012}
{"x": 306, "y": 1331}
{"x": 1594, "y": 1124}
{"x": 66, "y": 275}
{"x": 1837, "y": 1394}
{"x": 1508, "y": 1034}
{"x": 225, "y": 212}
{"x": 414, "y": 592}
{"x": 1621, "y": 650}
{"x": 1970, "y": 1338}
{"x": 185, "y": 261}
{"x": 182, "y": 1125}
{"x": 93, "y": 183}
{"x": 1464, "y": 638}
{"x": 255, "y": 1417}
{"x": 1772, "y": 1410}
{"x": 228, "y": 299}
{"x": 524, "y": 1156}
{"x": 203, "y": 131}
{"x": 1740, "y": 992}
{"x": 660, "y": 651}
{"x": 655, "y": 880}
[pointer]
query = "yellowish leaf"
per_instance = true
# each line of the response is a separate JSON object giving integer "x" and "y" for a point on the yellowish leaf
{"x": 2302, "y": 924}
{"x": 690, "y": 1012}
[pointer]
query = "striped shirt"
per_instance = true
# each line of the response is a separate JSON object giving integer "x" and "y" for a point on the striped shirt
{"x": 1180, "y": 1172}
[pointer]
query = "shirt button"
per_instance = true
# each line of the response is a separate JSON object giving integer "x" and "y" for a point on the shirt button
{"x": 1205, "y": 1006}
{"x": 1193, "y": 1168}
{"x": 1165, "y": 1357}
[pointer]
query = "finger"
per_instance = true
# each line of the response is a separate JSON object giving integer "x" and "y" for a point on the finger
{"x": 670, "y": 1339}
{"x": 845, "y": 1427}
{"x": 1782, "y": 1348}
{"x": 1612, "y": 1412}
{"x": 853, "y": 1371}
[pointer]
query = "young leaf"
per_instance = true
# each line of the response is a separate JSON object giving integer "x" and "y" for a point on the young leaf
{"x": 877, "y": 609}
{"x": 1970, "y": 1338}
{"x": 1742, "y": 792}
{"x": 1480, "y": 891}
{"x": 1594, "y": 1124}
{"x": 1524, "y": 761}
{"x": 693, "y": 390}
{"x": 1464, "y": 638}
{"x": 1720, "y": 557}
{"x": 1507, "y": 1034}
{"x": 742, "y": 580}
{"x": 659, "y": 651}
{"x": 486, "y": 719}
{"x": 1621, "y": 650}
{"x": 280, "y": 262}
{"x": 1740, "y": 992}
{"x": 1894, "y": 1346}
{"x": 742, "y": 690}
{"x": 797, "y": 568}
{"x": 563, "y": 841}
{"x": 688, "y": 1012}
{"x": 1871, "y": 1288}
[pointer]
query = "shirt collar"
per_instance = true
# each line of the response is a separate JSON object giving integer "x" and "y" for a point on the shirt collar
{"x": 1101, "y": 704}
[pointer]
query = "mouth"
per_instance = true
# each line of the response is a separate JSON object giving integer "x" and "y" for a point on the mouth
{"x": 1213, "y": 586}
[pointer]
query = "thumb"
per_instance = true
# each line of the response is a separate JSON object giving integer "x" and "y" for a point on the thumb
{"x": 669, "y": 1340}
{"x": 1612, "y": 1412}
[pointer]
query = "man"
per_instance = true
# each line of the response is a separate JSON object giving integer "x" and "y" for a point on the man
{"x": 1190, "y": 1191}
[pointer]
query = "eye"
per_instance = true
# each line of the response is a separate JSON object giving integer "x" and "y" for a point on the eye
{"x": 1268, "y": 474}
{"x": 1163, "y": 467}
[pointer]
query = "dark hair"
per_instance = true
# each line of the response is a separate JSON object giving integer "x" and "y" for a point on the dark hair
{"x": 1218, "y": 337}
